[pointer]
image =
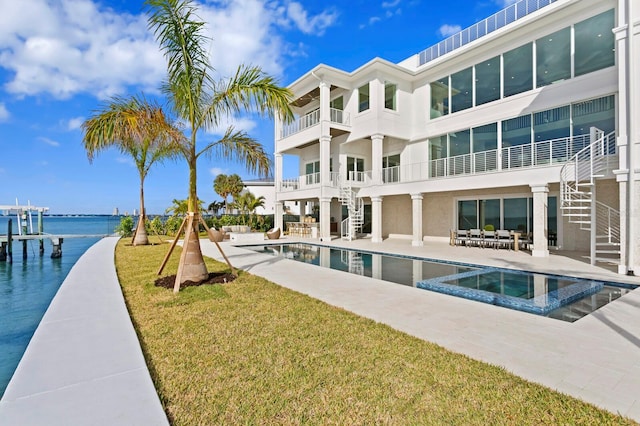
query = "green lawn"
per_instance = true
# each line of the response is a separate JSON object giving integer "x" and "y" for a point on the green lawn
{"x": 252, "y": 352}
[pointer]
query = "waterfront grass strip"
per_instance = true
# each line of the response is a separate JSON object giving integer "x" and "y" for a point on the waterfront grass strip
{"x": 252, "y": 352}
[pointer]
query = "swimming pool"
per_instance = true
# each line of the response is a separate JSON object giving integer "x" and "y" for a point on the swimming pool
{"x": 560, "y": 297}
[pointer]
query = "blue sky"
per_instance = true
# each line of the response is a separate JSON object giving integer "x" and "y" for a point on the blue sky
{"x": 60, "y": 60}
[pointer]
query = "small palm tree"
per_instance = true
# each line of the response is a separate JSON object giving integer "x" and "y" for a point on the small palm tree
{"x": 181, "y": 207}
{"x": 139, "y": 129}
{"x": 203, "y": 103}
{"x": 214, "y": 207}
{"x": 247, "y": 203}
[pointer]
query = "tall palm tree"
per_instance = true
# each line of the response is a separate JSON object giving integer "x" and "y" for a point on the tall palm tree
{"x": 139, "y": 129}
{"x": 203, "y": 103}
{"x": 214, "y": 207}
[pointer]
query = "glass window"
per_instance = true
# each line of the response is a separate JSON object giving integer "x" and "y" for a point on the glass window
{"x": 363, "y": 98}
{"x": 598, "y": 113}
{"x": 438, "y": 148}
{"x": 391, "y": 168}
{"x": 459, "y": 143}
{"x": 594, "y": 43}
{"x": 518, "y": 70}
{"x": 355, "y": 169}
{"x": 488, "y": 81}
{"x": 489, "y": 212}
{"x": 337, "y": 103}
{"x": 515, "y": 214}
{"x": 461, "y": 90}
{"x": 516, "y": 131}
{"x": 553, "y": 57}
{"x": 390, "y": 90}
{"x": 312, "y": 172}
{"x": 467, "y": 214}
{"x": 485, "y": 137}
{"x": 440, "y": 97}
{"x": 551, "y": 124}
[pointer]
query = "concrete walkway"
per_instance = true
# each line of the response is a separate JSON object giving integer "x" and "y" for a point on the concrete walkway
{"x": 84, "y": 365}
{"x": 596, "y": 359}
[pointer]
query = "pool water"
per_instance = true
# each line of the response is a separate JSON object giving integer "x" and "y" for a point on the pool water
{"x": 559, "y": 297}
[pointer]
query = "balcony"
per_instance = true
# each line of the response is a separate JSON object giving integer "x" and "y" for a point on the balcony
{"x": 539, "y": 154}
{"x": 311, "y": 119}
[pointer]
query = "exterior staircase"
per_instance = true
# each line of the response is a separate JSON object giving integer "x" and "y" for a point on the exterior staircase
{"x": 355, "y": 207}
{"x": 353, "y": 260}
{"x": 578, "y": 196}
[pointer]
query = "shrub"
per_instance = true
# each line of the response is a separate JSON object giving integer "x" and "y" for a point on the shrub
{"x": 125, "y": 228}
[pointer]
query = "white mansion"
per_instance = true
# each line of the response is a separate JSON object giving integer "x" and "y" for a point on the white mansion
{"x": 528, "y": 121}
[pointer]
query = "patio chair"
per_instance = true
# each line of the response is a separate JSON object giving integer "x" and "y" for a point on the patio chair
{"x": 503, "y": 239}
{"x": 273, "y": 234}
{"x": 476, "y": 238}
{"x": 460, "y": 237}
{"x": 525, "y": 241}
{"x": 216, "y": 236}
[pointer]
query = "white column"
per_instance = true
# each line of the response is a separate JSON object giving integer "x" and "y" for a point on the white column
{"x": 540, "y": 205}
{"x": 325, "y": 94}
{"x": 376, "y": 219}
{"x": 417, "y": 271}
{"x": 277, "y": 216}
{"x": 303, "y": 209}
{"x": 376, "y": 158}
{"x": 325, "y": 155}
{"x": 416, "y": 202}
{"x": 325, "y": 217}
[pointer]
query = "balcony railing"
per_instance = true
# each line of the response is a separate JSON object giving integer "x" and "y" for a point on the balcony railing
{"x": 504, "y": 17}
{"x": 308, "y": 181}
{"x": 537, "y": 154}
{"x": 311, "y": 119}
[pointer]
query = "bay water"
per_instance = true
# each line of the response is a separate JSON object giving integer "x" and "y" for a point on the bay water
{"x": 27, "y": 286}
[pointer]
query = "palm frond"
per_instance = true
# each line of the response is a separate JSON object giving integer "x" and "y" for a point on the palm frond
{"x": 238, "y": 146}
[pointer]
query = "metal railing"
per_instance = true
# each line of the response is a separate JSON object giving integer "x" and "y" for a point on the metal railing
{"x": 504, "y": 17}
{"x": 313, "y": 118}
{"x": 536, "y": 154}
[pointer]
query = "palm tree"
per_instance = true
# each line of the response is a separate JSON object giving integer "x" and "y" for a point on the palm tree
{"x": 202, "y": 103}
{"x": 247, "y": 203}
{"x": 137, "y": 128}
{"x": 214, "y": 207}
{"x": 235, "y": 185}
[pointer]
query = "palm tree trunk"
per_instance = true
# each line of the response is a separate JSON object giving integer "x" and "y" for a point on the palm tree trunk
{"x": 141, "y": 238}
{"x": 192, "y": 266}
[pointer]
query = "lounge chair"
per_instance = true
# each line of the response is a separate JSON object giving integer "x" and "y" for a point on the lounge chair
{"x": 273, "y": 234}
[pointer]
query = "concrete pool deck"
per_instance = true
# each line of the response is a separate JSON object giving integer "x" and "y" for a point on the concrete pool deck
{"x": 595, "y": 359}
{"x": 84, "y": 364}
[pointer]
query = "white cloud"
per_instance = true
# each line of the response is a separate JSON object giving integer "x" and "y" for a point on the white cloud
{"x": 124, "y": 160}
{"x": 239, "y": 124}
{"x": 310, "y": 24}
{"x": 75, "y": 123}
{"x": 48, "y": 141}
{"x": 390, "y": 4}
{"x": 215, "y": 171}
{"x": 4, "y": 113}
{"x": 446, "y": 30}
{"x": 79, "y": 46}
{"x": 505, "y": 3}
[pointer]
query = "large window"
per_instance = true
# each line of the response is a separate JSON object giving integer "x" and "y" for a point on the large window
{"x": 312, "y": 172}
{"x": 337, "y": 103}
{"x": 516, "y": 131}
{"x": 553, "y": 57}
{"x": 363, "y": 98}
{"x": 485, "y": 137}
{"x": 552, "y": 124}
{"x": 440, "y": 97}
{"x": 461, "y": 90}
{"x": 488, "y": 81}
{"x": 390, "y": 90}
{"x": 355, "y": 169}
{"x": 514, "y": 214}
{"x": 518, "y": 70}
{"x": 391, "y": 168}
{"x": 594, "y": 43}
{"x": 598, "y": 113}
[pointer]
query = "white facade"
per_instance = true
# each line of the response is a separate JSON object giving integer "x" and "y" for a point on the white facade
{"x": 523, "y": 121}
{"x": 265, "y": 188}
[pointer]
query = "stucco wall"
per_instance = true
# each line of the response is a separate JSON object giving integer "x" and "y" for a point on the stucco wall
{"x": 396, "y": 215}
